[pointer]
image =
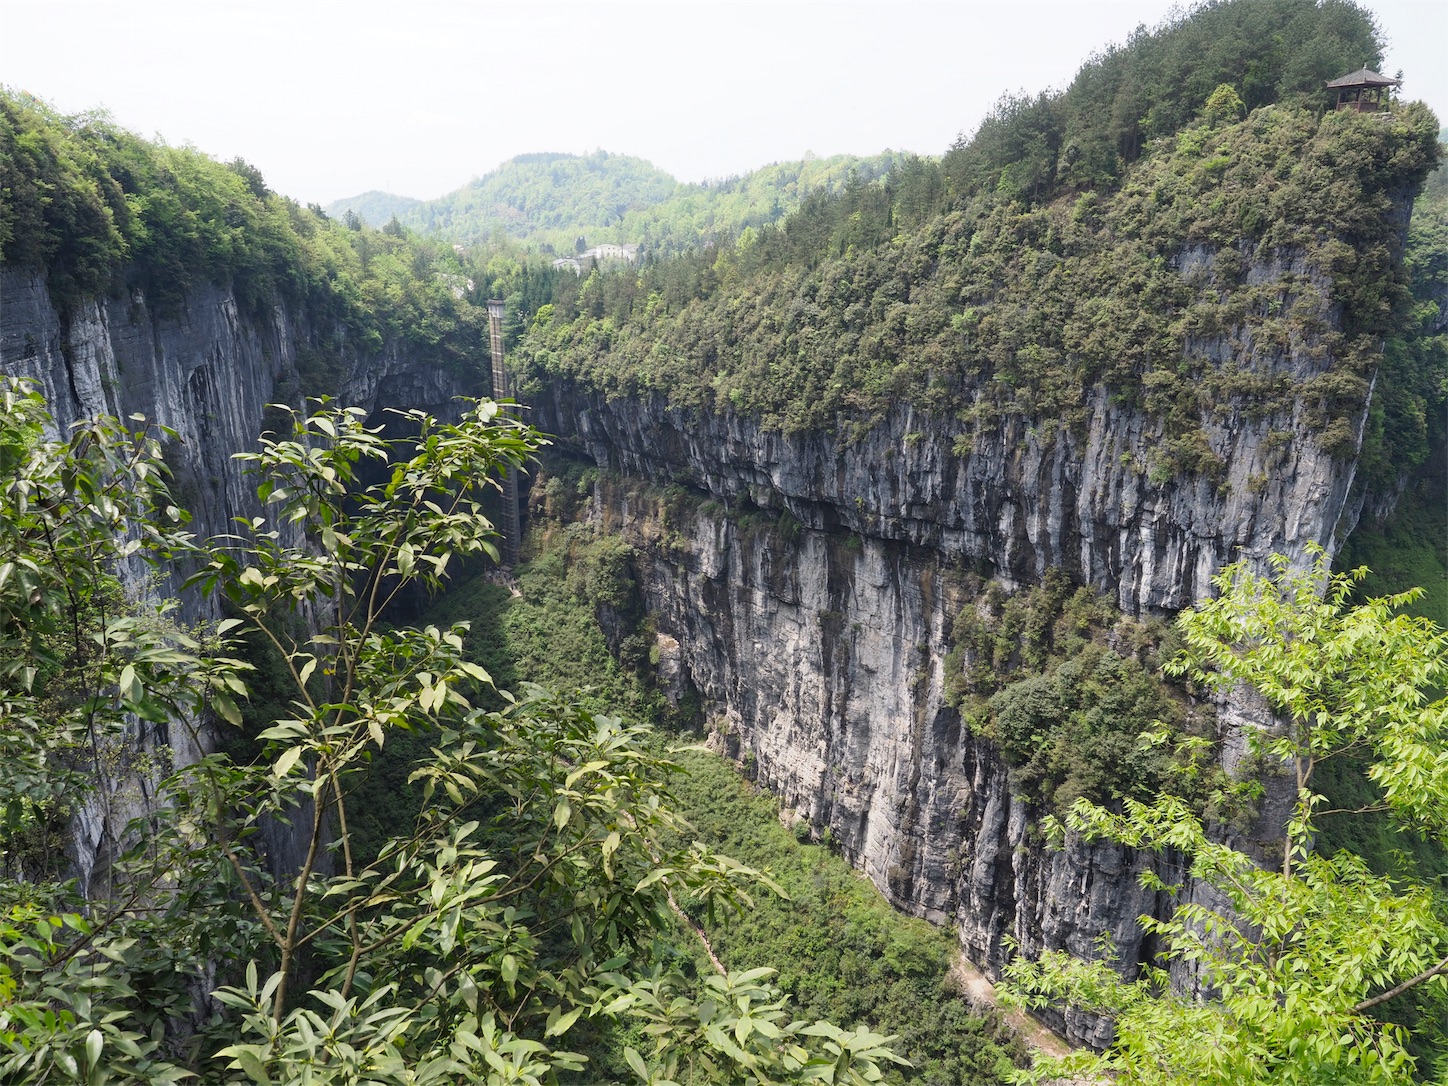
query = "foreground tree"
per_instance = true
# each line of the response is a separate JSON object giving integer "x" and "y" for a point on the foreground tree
{"x": 1306, "y": 949}
{"x": 526, "y": 896}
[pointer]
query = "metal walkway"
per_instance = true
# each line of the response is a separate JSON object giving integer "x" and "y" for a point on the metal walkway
{"x": 511, "y": 526}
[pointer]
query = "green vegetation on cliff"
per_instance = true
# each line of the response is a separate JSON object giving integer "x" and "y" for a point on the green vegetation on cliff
{"x": 1158, "y": 83}
{"x": 1270, "y": 230}
{"x": 1225, "y": 265}
{"x": 1066, "y": 686}
{"x": 101, "y": 211}
{"x": 1408, "y": 429}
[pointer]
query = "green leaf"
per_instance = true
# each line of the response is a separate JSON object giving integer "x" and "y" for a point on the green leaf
{"x": 289, "y": 759}
{"x": 636, "y": 1062}
{"x": 588, "y": 767}
{"x": 752, "y": 975}
{"x": 558, "y": 1024}
{"x": 473, "y": 671}
{"x": 130, "y": 684}
{"x": 94, "y": 1042}
{"x": 223, "y": 704}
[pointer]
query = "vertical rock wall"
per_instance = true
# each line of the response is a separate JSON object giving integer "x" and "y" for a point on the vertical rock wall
{"x": 1017, "y": 502}
{"x": 206, "y": 373}
{"x": 820, "y": 657}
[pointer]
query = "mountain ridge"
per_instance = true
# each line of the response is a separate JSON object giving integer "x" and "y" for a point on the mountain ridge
{"x": 552, "y": 200}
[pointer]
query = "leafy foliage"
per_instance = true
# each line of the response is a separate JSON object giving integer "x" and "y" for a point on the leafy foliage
{"x": 83, "y": 996}
{"x": 1298, "y": 957}
{"x": 525, "y": 895}
{"x": 844, "y": 953}
{"x": 550, "y": 632}
{"x": 1066, "y": 686}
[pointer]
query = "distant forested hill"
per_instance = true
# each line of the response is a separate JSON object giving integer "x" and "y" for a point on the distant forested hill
{"x": 375, "y": 208}
{"x": 548, "y": 199}
{"x": 553, "y": 200}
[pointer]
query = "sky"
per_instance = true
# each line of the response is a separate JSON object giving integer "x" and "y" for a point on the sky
{"x": 330, "y": 100}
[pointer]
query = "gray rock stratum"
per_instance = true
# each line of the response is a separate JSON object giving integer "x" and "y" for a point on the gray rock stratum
{"x": 207, "y": 373}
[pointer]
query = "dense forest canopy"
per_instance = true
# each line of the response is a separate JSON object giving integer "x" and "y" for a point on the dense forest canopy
{"x": 1082, "y": 139}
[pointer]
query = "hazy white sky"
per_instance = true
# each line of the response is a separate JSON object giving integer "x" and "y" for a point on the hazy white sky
{"x": 332, "y": 99}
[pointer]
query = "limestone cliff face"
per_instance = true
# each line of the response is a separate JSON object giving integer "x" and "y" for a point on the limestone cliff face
{"x": 208, "y": 374}
{"x": 818, "y": 643}
{"x": 1017, "y": 503}
{"x": 820, "y": 658}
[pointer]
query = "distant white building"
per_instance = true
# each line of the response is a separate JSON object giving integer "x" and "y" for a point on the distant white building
{"x": 459, "y": 286}
{"x": 610, "y": 251}
{"x": 606, "y": 253}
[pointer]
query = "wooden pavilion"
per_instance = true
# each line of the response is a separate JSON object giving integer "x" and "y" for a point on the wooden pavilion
{"x": 1363, "y": 90}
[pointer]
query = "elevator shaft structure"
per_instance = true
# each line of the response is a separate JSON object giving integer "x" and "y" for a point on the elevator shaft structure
{"x": 511, "y": 526}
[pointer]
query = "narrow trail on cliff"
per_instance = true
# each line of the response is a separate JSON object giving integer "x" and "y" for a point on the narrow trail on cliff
{"x": 978, "y": 989}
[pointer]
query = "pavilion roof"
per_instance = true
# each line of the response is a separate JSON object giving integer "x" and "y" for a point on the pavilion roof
{"x": 1363, "y": 77}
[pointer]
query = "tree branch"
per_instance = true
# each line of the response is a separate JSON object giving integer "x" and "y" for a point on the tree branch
{"x": 1411, "y": 982}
